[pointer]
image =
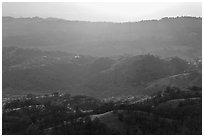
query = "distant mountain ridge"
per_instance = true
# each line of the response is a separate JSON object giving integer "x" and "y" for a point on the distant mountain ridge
{"x": 180, "y": 36}
{"x": 57, "y": 19}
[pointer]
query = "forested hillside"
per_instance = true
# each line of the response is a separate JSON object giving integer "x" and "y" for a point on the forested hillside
{"x": 37, "y": 71}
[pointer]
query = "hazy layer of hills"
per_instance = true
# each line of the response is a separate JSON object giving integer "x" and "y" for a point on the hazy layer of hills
{"x": 49, "y": 55}
{"x": 37, "y": 71}
{"x": 181, "y": 36}
{"x": 98, "y": 78}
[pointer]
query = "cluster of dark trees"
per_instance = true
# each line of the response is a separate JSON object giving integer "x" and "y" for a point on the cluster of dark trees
{"x": 84, "y": 127}
{"x": 186, "y": 118}
{"x": 50, "y": 115}
{"x": 35, "y": 115}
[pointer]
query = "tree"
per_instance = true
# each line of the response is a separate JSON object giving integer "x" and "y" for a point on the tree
{"x": 32, "y": 130}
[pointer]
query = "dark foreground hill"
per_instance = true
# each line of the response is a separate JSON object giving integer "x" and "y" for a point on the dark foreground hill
{"x": 171, "y": 112}
{"x": 181, "y": 36}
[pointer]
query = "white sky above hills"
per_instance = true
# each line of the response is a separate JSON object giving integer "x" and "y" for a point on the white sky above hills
{"x": 114, "y": 12}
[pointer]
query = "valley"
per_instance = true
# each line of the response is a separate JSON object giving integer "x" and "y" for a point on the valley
{"x": 62, "y": 77}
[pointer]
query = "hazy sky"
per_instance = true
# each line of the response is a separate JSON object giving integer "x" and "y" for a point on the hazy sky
{"x": 115, "y": 12}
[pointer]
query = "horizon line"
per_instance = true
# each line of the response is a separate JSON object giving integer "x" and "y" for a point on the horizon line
{"x": 168, "y": 17}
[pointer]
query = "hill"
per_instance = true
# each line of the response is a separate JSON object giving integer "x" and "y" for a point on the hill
{"x": 174, "y": 111}
{"x": 167, "y": 37}
{"x": 182, "y": 81}
{"x": 37, "y": 71}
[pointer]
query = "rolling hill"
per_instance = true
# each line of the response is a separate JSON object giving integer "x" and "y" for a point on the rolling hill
{"x": 167, "y": 37}
{"x": 182, "y": 81}
{"x": 37, "y": 71}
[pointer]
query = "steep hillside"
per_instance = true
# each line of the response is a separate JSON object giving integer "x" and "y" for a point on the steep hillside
{"x": 182, "y": 81}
